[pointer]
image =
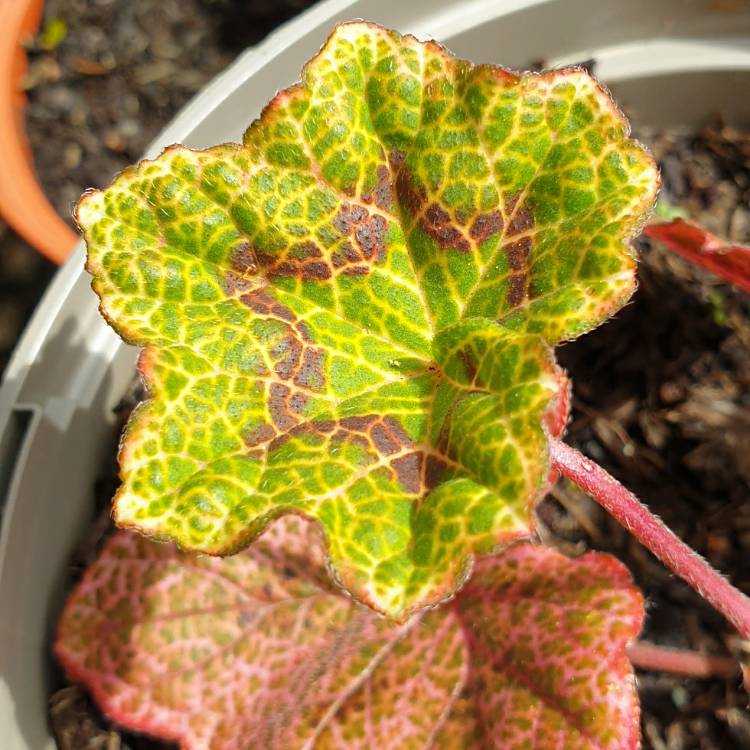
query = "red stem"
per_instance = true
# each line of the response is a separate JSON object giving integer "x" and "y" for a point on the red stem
{"x": 655, "y": 658}
{"x": 651, "y": 532}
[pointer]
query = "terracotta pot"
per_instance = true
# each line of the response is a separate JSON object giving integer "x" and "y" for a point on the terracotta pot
{"x": 23, "y": 204}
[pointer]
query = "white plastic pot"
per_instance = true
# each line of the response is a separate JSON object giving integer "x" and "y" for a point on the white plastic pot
{"x": 669, "y": 62}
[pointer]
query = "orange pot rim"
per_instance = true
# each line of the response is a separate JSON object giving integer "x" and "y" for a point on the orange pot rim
{"x": 23, "y": 204}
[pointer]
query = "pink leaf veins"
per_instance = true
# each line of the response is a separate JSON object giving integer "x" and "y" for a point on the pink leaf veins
{"x": 257, "y": 651}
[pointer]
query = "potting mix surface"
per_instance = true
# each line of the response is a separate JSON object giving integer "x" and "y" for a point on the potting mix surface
{"x": 661, "y": 392}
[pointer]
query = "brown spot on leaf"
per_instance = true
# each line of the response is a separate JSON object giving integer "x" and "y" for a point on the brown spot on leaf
{"x": 344, "y": 254}
{"x": 298, "y": 402}
{"x": 410, "y": 197}
{"x": 396, "y": 159}
{"x": 510, "y": 203}
{"x": 397, "y": 430}
{"x": 261, "y": 434}
{"x": 382, "y": 193}
{"x": 278, "y": 407}
{"x": 310, "y": 374}
{"x": 348, "y": 217}
{"x": 377, "y": 436}
{"x": 521, "y": 219}
{"x": 521, "y": 222}
{"x": 485, "y": 225}
{"x": 261, "y": 302}
{"x": 354, "y": 438}
{"x": 265, "y": 259}
{"x": 516, "y": 289}
{"x": 409, "y": 471}
{"x": 286, "y": 355}
{"x": 370, "y": 236}
{"x": 319, "y": 271}
{"x": 518, "y": 260}
{"x": 383, "y": 189}
{"x": 292, "y": 352}
{"x": 386, "y": 437}
{"x": 306, "y": 250}
{"x": 295, "y": 360}
{"x": 243, "y": 264}
{"x": 357, "y": 424}
{"x": 518, "y": 254}
{"x": 437, "y": 223}
{"x": 277, "y": 442}
{"x": 385, "y": 443}
{"x": 243, "y": 259}
{"x": 470, "y": 367}
{"x": 234, "y": 284}
{"x": 368, "y": 232}
{"x": 318, "y": 428}
{"x": 434, "y": 469}
{"x": 305, "y": 261}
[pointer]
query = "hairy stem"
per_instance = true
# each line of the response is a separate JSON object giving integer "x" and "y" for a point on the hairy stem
{"x": 650, "y": 531}
{"x": 645, "y": 655}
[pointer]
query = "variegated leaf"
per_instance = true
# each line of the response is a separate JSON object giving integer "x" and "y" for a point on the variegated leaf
{"x": 349, "y": 315}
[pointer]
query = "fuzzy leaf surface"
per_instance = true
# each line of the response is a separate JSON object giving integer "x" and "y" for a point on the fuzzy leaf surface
{"x": 349, "y": 315}
{"x": 256, "y": 651}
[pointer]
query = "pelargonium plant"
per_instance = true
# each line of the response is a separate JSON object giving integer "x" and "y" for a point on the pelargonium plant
{"x": 347, "y": 325}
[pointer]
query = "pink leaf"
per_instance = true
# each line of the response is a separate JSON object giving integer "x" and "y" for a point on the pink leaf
{"x": 256, "y": 651}
{"x": 729, "y": 261}
{"x": 547, "y": 636}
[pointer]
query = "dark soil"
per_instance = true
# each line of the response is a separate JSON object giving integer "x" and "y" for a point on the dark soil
{"x": 661, "y": 392}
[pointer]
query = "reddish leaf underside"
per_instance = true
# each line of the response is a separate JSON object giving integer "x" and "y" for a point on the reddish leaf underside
{"x": 256, "y": 651}
{"x": 729, "y": 261}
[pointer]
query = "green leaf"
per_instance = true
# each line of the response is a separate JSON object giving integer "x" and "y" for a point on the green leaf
{"x": 349, "y": 316}
{"x": 254, "y": 652}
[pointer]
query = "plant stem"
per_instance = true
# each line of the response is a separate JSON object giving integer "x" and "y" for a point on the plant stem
{"x": 651, "y": 531}
{"x": 645, "y": 655}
